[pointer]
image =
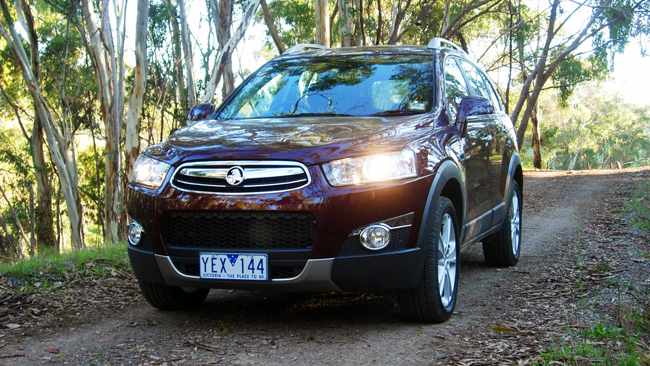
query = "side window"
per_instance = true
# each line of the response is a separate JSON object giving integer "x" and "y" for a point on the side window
{"x": 495, "y": 98}
{"x": 480, "y": 84}
{"x": 455, "y": 87}
{"x": 476, "y": 81}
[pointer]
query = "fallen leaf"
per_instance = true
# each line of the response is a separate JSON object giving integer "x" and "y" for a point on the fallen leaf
{"x": 53, "y": 351}
{"x": 504, "y": 329}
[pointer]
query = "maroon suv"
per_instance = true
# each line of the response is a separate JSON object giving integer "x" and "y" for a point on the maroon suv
{"x": 353, "y": 169}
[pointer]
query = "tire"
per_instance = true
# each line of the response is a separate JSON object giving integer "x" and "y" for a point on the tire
{"x": 166, "y": 297}
{"x": 504, "y": 248}
{"x": 434, "y": 298}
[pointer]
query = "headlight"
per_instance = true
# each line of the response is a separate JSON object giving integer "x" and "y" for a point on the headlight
{"x": 149, "y": 172}
{"x": 372, "y": 168}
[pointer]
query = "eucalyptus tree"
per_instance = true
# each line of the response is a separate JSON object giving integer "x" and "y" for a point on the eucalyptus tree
{"x": 227, "y": 50}
{"x": 58, "y": 133}
{"x": 106, "y": 49}
{"x": 382, "y": 21}
{"x": 43, "y": 212}
{"x": 133, "y": 116}
{"x": 608, "y": 27}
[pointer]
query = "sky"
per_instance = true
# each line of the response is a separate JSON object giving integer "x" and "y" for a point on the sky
{"x": 631, "y": 76}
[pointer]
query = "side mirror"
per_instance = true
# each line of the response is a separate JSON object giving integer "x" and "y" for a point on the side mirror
{"x": 471, "y": 106}
{"x": 200, "y": 112}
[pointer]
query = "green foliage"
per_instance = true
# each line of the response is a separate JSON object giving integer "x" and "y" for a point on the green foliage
{"x": 599, "y": 124}
{"x": 15, "y": 177}
{"x": 637, "y": 210}
{"x": 109, "y": 256}
{"x": 574, "y": 71}
{"x": 595, "y": 345}
{"x": 91, "y": 168}
{"x": 295, "y": 21}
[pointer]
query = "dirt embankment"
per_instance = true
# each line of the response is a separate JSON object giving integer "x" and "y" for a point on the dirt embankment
{"x": 581, "y": 265}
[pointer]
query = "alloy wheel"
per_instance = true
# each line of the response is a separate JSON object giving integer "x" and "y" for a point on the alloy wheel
{"x": 515, "y": 224}
{"x": 447, "y": 263}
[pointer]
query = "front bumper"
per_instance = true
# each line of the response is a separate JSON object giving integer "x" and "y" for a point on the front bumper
{"x": 335, "y": 262}
{"x": 360, "y": 273}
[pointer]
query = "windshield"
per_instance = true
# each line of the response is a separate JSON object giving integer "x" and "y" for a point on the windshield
{"x": 343, "y": 86}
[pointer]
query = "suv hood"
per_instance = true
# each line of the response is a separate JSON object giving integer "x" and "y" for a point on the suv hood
{"x": 307, "y": 139}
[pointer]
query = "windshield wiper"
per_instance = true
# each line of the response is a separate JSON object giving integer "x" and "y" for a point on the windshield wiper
{"x": 314, "y": 115}
{"x": 398, "y": 112}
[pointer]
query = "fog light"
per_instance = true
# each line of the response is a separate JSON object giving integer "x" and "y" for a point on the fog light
{"x": 375, "y": 237}
{"x": 135, "y": 233}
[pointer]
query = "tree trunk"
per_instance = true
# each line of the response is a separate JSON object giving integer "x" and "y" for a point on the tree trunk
{"x": 43, "y": 214}
{"x": 107, "y": 64}
{"x": 178, "y": 59}
{"x": 268, "y": 19}
{"x": 335, "y": 12}
{"x": 345, "y": 23}
{"x": 32, "y": 223}
{"x": 100, "y": 207}
{"x": 322, "y": 22}
{"x": 575, "y": 157}
{"x": 447, "y": 18}
{"x": 378, "y": 39}
{"x": 132, "y": 140}
{"x": 225, "y": 22}
{"x": 361, "y": 26}
{"x": 187, "y": 55}
{"x": 536, "y": 141}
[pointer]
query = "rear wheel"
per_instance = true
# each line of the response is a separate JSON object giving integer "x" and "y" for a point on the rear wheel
{"x": 503, "y": 248}
{"x": 172, "y": 298}
{"x": 434, "y": 298}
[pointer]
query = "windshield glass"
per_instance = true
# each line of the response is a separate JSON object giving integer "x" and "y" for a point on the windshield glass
{"x": 347, "y": 86}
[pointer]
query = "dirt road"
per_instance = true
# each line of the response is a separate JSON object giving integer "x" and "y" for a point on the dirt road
{"x": 502, "y": 315}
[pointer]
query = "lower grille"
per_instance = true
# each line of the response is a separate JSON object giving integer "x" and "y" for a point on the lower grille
{"x": 238, "y": 230}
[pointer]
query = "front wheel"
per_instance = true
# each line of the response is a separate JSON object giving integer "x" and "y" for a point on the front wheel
{"x": 503, "y": 248}
{"x": 172, "y": 298}
{"x": 434, "y": 298}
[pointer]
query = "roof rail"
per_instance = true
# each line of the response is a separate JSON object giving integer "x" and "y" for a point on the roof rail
{"x": 440, "y": 42}
{"x": 301, "y": 47}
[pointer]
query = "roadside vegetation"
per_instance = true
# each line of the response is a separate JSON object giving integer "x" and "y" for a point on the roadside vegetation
{"x": 49, "y": 288}
{"x": 619, "y": 333}
{"x": 100, "y": 260}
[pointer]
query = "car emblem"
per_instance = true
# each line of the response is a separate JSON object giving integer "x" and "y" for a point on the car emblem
{"x": 235, "y": 176}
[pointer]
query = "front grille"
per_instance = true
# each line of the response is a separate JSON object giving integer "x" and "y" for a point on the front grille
{"x": 277, "y": 272}
{"x": 246, "y": 177}
{"x": 398, "y": 241}
{"x": 238, "y": 230}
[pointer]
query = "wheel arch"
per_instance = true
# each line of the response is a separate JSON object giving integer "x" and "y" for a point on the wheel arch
{"x": 515, "y": 172}
{"x": 447, "y": 182}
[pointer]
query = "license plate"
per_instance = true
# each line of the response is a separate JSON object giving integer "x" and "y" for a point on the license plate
{"x": 228, "y": 266}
